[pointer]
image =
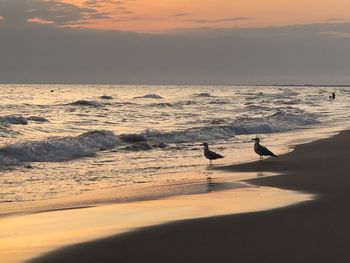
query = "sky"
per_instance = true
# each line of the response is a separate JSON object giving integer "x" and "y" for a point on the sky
{"x": 158, "y": 15}
{"x": 223, "y": 42}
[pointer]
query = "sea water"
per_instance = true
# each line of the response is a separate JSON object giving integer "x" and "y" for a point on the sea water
{"x": 67, "y": 140}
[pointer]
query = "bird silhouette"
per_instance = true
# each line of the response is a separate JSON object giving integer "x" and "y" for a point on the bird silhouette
{"x": 210, "y": 155}
{"x": 262, "y": 150}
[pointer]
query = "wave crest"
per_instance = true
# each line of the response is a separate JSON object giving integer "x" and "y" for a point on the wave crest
{"x": 13, "y": 119}
{"x": 277, "y": 122}
{"x": 60, "y": 149}
{"x": 89, "y": 143}
{"x": 203, "y": 95}
{"x": 150, "y": 96}
{"x": 106, "y": 97}
{"x": 87, "y": 103}
{"x": 37, "y": 119}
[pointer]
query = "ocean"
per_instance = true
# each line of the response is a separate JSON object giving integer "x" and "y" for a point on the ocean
{"x": 68, "y": 140}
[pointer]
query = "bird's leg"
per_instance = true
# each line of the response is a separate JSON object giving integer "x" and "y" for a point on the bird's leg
{"x": 210, "y": 163}
{"x": 261, "y": 158}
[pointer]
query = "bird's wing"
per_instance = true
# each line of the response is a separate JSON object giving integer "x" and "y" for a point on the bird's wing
{"x": 265, "y": 151}
{"x": 216, "y": 155}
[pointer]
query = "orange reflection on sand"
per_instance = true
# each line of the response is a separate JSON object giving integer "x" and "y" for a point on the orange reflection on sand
{"x": 23, "y": 237}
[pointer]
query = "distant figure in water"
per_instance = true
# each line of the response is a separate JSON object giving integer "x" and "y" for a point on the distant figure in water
{"x": 210, "y": 155}
{"x": 262, "y": 150}
{"x": 332, "y": 97}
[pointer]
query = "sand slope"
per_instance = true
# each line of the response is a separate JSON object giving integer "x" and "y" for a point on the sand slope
{"x": 317, "y": 231}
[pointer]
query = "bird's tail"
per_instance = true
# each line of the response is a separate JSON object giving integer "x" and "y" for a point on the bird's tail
{"x": 274, "y": 155}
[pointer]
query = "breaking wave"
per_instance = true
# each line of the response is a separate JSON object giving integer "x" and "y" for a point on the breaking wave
{"x": 8, "y": 120}
{"x": 87, "y": 103}
{"x": 203, "y": 95}
{"x": 277, "y": 122}
{"x": 89, "y": 143}
{"x": 37, "y": 119}
{"x": 106, "y": 97}
{"x": 13, "y": 119}
{"x": 149, "y": 96}
{"x": 58, "y": 149}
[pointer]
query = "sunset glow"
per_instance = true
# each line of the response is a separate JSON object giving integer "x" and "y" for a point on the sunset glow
{"x": 155, "y": 15}
{"x": 174, "y": 131}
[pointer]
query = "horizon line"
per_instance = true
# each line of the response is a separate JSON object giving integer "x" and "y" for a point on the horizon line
{"x": 179, "y": 84}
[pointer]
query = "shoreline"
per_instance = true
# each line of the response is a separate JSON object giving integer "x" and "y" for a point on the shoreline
{"x": 144, "y": 191}
{"x": 130, "y": 194}
{"x": 28, "y": 236}
{"x": 308, "y": 232}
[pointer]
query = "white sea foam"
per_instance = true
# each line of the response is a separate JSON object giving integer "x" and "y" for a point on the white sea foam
{"x": 277, "y": 122}
{"x": 138, "y": 129}
{"x": 59, "y": 149}
{"x": 88, "y": 144}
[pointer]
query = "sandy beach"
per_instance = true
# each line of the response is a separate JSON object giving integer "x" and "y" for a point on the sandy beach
{"x": 130, "y": 131}
{"x": 314, "y": 231}
{"x": 28, "y": 235}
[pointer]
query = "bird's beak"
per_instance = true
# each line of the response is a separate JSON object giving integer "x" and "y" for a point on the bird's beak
{"x": 252, "y": 139}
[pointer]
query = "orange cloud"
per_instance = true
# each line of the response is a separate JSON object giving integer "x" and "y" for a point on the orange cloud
{"x": 39, "y": 21}
{"x": 154, "y": 15}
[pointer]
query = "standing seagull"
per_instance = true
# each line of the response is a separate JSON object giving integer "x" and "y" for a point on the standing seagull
{"x": 262, "y": 150}
{"x": 210, "y": 155}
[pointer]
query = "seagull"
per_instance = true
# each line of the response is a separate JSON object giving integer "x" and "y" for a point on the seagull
{"x": 262, "y": 150}
{"x": 210, "y": 155}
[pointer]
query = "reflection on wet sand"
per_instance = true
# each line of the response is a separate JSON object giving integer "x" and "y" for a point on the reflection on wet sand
{"x": 26, "y": 236}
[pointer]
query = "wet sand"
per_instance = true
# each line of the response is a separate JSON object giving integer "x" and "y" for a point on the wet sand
{"x": 26, "y": 236}
{"x": 130, "y": 194}
{"x": 314, "y": 231}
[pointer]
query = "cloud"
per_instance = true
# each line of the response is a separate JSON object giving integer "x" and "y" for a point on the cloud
{"x": 290, "y": 54}
{"x": 121, "y": 8}
{"x": 125, "y": 12}
{"x": 119, "y": 2}
{"x": 93, "y": 3}
{"x": 335, "y": 34}
{"x": 39, "y": 21}
{"x": 220, "y": 20}
{"x": 99, "y": 3}
{"x": 127, "y": 18}
{"x": 116, "y": 7}
{"x": 20, "y": 12}
{"x": 182, "y": 14}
